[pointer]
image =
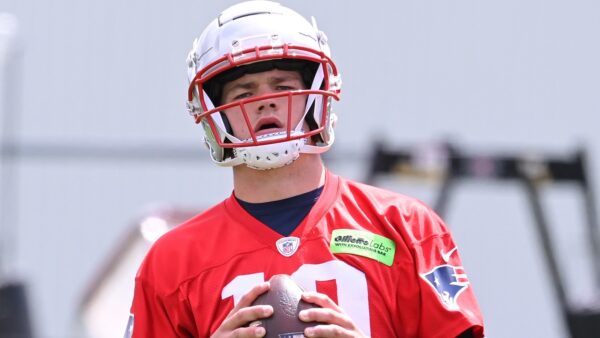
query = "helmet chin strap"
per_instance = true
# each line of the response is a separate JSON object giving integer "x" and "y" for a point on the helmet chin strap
{"x": 270, "y": 156}
{"x": 318, "y": 102}
{"x": 315, "y": 98}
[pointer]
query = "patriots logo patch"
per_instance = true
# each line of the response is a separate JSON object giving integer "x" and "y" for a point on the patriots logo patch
{"x": 448, "y": 282}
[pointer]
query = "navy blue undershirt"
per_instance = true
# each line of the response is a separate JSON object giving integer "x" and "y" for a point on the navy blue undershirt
{"x": 284, "y": 215}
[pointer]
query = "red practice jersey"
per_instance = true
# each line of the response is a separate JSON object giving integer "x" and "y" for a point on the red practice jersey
{"x": 386, "y": 259}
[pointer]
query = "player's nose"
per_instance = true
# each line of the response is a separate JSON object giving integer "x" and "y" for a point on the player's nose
{"x": 267, "y": 105}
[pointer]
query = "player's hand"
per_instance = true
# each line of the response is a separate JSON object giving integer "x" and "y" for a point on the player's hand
{"x": 242, "y": 314}
{"x": 336, "y": 323}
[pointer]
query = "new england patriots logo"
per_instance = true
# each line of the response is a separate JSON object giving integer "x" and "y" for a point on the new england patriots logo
{"x": 448, "y": 282}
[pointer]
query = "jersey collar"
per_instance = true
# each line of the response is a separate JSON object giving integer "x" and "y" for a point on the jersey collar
{"x": 307, "y": 229}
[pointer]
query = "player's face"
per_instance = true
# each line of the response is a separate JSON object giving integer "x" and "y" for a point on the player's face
{"x": 269, "y": 115}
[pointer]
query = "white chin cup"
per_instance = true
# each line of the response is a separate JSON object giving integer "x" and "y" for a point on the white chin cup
{"x": 271, "y": 156}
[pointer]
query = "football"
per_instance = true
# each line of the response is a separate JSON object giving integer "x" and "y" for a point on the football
{"x": 284, "y": 296}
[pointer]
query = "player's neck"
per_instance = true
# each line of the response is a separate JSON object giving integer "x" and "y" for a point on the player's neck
{"x": 303, "y": 175}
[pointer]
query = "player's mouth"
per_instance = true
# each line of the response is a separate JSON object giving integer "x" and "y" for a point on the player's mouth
{"x": 267, "y": 125}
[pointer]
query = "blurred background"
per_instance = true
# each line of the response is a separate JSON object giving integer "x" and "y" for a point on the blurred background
{"x": 97, "y": 144}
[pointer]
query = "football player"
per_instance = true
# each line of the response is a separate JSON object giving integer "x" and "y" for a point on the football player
{"x": 379, "y": 264}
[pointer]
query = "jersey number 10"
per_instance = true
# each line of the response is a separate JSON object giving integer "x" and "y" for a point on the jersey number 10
{"x": 352, "y": 291}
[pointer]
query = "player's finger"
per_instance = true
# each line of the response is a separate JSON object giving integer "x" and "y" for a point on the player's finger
{"x": 329, "y": 316}
{"x": 329, "y": 312}
{"x": 245, "y": 315}
{"x": 249, "y": 297}
{"x": 243, "y": 332}
{"x": 325, "y": 331}
{"x": 320, "y": 299}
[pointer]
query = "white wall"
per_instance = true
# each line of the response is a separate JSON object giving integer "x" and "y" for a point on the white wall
{"x": 493, "y": 76}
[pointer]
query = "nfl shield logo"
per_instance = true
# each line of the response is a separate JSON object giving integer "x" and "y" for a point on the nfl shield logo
{"x": 287, "y": 246}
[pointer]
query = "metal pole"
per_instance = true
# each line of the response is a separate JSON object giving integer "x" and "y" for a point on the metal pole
{"x": 450, "y": 176}
{"x": 14, "y": 314}
{"x": 531, "y": 184}
{"x": 592, "y": 218}
{"x": 9, "y": 85}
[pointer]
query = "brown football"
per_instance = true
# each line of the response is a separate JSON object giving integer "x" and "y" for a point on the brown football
{"x": 284, "y": 296}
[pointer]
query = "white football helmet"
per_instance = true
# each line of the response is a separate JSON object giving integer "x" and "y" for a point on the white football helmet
{"x": 255, "y": 36}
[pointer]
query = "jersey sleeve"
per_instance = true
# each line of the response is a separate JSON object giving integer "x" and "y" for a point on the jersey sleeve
{"x": 155, "y": 315}
{"x": 448, "y": 303}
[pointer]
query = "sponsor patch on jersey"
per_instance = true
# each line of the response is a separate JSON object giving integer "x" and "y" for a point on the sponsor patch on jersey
{"x": 448, "y": 282}
{"x": 129, "y": 329}
{"x": 363, "y": 243}
{"x": 288, "y": 246}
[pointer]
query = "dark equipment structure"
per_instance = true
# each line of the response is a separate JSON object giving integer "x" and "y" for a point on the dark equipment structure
{"x": 532, "y": 173}
{"x": 14, "y": 315}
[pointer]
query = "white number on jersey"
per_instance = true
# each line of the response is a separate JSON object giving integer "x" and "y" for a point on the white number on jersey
{"x": 352, "y": 291}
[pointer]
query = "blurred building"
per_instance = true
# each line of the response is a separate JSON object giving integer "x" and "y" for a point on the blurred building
{"x": 104, "y": 309}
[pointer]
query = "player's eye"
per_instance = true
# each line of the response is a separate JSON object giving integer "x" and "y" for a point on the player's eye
{"x": 242, "y": 95}
{"x": 284, "y": 87}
